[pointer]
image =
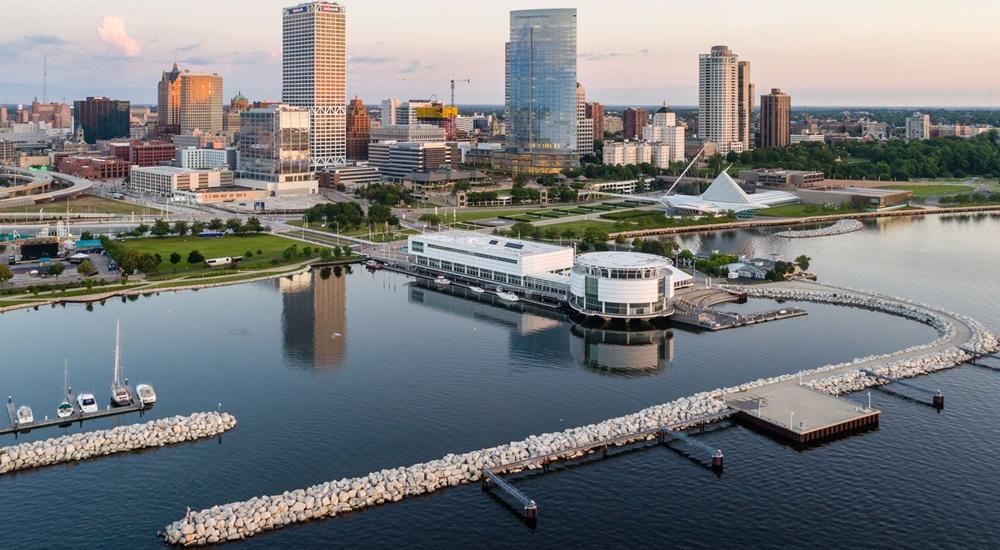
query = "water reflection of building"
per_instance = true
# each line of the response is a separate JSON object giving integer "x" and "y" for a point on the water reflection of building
{"x": 479, "y": 307}
{"x": 635, "y": 352}
{"x": 314, "y": 319}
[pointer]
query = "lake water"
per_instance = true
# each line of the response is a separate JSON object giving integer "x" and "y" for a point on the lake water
{"x": 334, "y": 376}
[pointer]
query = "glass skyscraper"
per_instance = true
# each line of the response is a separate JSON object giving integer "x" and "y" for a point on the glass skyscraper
{"x": 540, "y": 102}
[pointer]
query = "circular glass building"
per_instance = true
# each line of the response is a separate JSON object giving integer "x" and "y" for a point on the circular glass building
{"x": 624, "y": 285}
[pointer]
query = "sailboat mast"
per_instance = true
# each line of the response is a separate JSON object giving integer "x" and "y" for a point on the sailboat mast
{"x": 117, "y": 351}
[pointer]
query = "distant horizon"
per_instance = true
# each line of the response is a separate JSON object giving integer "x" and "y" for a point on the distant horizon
{"x": 622, "y": 59}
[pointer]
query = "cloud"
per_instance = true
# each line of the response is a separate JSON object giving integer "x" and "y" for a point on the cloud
{"x": 112, "y": 32}
{"x": 189, "y": 47}
{"x": 595, "y": 56}
{"x": 197, "y": 60}
{"x": 414, "y": 66}
{"x": 369, "y": 59}
{"x": 31, "y": 42}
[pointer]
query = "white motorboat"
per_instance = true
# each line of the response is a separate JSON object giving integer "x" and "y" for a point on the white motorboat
{"x": 24, "y": 415}
{"x": 441, "y": 280}
{"x": 506, "y": 296}
{"x": 476, "y": 289}
{"x": 87, "y": 402}
{"x": 146, "y": 394}
{"x": 120, "y": 396}
{"x": 65, "y": 408}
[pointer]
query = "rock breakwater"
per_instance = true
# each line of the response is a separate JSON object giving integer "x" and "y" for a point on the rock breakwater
{"x": 81, "y": 446}
{"x": 839, "y": 228}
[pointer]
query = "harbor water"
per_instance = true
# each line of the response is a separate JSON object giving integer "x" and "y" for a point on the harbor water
{"x": 334, "y": 373}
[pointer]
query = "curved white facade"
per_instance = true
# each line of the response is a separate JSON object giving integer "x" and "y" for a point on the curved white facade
{"x": 626, "y": 285}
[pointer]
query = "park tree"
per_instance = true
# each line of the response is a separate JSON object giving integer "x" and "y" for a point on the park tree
{"x": 129, "y": 261}
{"x": 620, "y": 239}
{"x": 337, "y": 253}
{"x": 379, "y": 213}
{"x": 86, "y": 236}
{"x": 181, "y": 228}
{"x": 595, "y": 235}
{"x": 148, "y": 263}
{"x": 235, "y": 225}
{"x": 197, "y": 228}
{"x": 324, "y": 253}
{"x": 248, "y": 254}
{"x": 216, "y": 224}
{"x": 142, "y": 229}
{"x": 86, "y": 268}
{"x": 175, "y": 259}
{"x": 803, "y": 262}
{"x": 253, "y": 225}
{"x": 56, "y": 269}
{"x": 160, "y": 228}
{"x": 431, "y": 219}
{"x": 5, "y": 274}
{"x": 291, "y": 252}
{"x": 195, "y": 257}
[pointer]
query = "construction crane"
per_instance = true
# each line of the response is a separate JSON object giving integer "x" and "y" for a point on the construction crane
{"x": 453, "y": 81}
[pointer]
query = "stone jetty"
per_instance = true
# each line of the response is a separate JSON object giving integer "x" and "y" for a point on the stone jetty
{"x": 839, "y": 228}
{"x": 81, "y": 446}
{"x": 961, "y": 338}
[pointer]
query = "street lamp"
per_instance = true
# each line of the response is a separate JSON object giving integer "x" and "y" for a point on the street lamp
{"x": 791, "y": 420}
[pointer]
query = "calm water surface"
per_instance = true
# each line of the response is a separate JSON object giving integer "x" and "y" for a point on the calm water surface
{"x": 341, "y": 375}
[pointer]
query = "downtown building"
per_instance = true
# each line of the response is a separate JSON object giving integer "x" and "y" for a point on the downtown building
{"x": 359, "y": 130}
{"x": 313, "y": 68}
{"x": 918, "y": 126}
{"x": 188, "y": 101}
{"x": 775, "y": 119}
{"x": 274, "y": 150}
{"x": 102, "y": 118}
{"x": 540, "y": 103}
{"x": 725, "y": 100}
{"x": 584, "y": 125}
{"x": 664, "y": 130}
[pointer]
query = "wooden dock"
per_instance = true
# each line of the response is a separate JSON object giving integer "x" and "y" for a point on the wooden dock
{"x": 78, "y": 415}
{"x": 800, "y": 414}
{"x": 710, "y": 319}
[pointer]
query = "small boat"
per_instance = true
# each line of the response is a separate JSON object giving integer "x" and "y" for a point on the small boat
{"x": 146, "y": 394}
{"x": 87, "y": 402}
{"x": 373, "y": 265}
{"x": 64, "y": 409}
{"x": 24, "y": 415}
{"x": 120, "y": 396}
{"x": 506, "y": 296}
{"x": 441, "y": 280}
{"x": 476, "y": 289}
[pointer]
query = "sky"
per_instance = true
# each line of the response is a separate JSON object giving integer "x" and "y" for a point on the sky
{"x": 842, "y": 53}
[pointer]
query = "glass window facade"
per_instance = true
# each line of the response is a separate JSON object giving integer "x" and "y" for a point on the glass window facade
{"x": 274, "y": 144}
{"x": 541, "y": 80}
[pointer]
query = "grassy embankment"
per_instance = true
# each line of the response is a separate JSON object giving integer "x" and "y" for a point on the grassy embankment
{"x": 86, "y": 204}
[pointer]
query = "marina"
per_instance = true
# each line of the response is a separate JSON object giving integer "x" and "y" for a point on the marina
{"x": 78, "y": 415}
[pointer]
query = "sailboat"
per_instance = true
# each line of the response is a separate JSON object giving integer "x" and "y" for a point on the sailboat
{"x": 65, "y": 409}
{"x": 120, "y": 396}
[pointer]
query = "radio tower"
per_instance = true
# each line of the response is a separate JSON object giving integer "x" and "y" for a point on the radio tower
{"x": 45, "y": 78}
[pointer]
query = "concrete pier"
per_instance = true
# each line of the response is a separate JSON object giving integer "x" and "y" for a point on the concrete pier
{"x": 801, "y": 414}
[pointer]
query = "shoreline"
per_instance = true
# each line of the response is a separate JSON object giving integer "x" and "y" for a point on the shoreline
{"x": 152, "y": 287}
{"x": 788, "y": 222}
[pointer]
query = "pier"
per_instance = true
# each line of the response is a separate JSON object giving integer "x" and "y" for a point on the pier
{"x": 78, "y": 415}
{"x": 800, "y": 414}
{"x": 937, "y": 398}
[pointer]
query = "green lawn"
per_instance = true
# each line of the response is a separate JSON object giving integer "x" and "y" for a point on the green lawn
{"x": 86, "y": 204}
{"x": 362, "y": 232}
{"x": 924, "y": 191}
{"x": 467, "y": 216}
{"x": 806, "y": 210}
{"x": 271, "y": 247}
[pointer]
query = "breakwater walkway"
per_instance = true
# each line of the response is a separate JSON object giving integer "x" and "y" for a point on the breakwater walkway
{"x": 839, "y": 228}
{"x": 81, "y": 446}
{"x": 960, "y": 339}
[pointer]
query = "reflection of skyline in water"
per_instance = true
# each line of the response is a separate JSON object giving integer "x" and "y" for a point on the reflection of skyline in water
{"x": 622, "y": 352}
{"x": 540, "y": 332}
{"x": 314, "y": 319}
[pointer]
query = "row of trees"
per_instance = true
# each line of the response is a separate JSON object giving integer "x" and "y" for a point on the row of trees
{"x": 181, "y": 228}
{"x": 386, "y": 194}
{"x": 946, "y": 157}
{"x": 346, "y": 216}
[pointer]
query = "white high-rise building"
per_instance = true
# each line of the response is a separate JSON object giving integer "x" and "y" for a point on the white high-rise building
{"x": 918, "y": 126}
{"x": 389, "y": 107}
{"x": 313, "y": 75}
{"x": 584, "y": 125}
{"x": 665, "y": 130}
{"x": 725, "y": 100}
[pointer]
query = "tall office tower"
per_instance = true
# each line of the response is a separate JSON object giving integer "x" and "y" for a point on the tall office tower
{"x": 389, "y": 107}
{"x": 168, "y": 104}
{"x": 775, "y": 119}
{"x": 540, "y": 92}
{"x": 359, "y": 130}
{"x": 584, "y": 125}
{"x": 633, "y": 121}
{"x": 102, "y": 118}
{"x": 745, "y": 91}
{"x": 918, "y": 126}
{"x": 274, "y": 149}
{"x": 595, "y": 112}
{"x": 201, "y": 103}
{"x": 313, "y": 75}
{"x": 719, "y": 99}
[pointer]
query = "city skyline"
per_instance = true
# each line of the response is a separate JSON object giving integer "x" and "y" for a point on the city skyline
{"x": 622, "y": 59}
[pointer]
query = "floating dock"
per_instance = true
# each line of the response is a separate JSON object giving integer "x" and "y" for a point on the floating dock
{"x": 800, "y": 414}
{"x": 77, "y": 416}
